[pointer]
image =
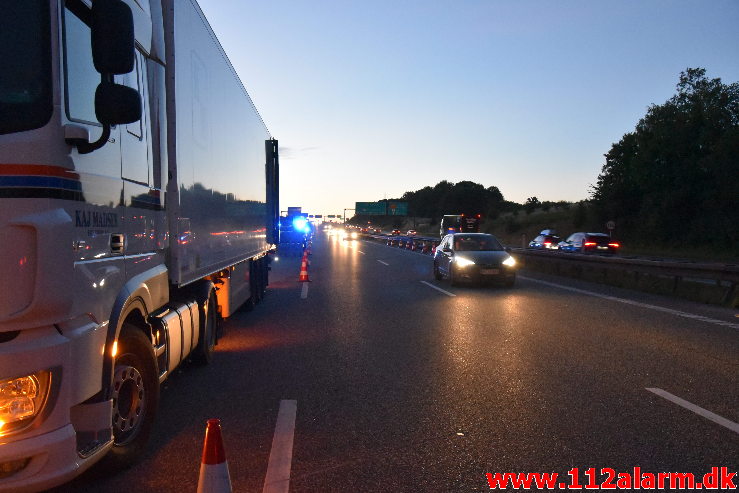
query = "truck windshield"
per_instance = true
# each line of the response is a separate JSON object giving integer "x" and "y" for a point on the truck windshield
{"x": 25, "y": 65}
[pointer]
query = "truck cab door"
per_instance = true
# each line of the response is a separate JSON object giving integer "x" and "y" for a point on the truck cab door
{"x": 141, "y": 200}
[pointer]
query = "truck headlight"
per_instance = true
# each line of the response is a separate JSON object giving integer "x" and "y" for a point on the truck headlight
{"x": 509, "y": 262}
{"x": 21, "y": 399}
{"x": 463, "y": 262}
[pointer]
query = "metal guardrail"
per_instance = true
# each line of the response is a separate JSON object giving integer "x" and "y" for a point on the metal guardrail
{"x": 723, "y": 276}
{"x": 697, "y": 270}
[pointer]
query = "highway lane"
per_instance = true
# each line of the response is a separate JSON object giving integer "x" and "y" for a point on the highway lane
{"x": 399, "y": 387}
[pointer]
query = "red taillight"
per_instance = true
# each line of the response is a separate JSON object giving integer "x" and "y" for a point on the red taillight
{"x": 478, "y": 216}
{"x": 547, "y": 242}
{"x": 614, "y": 245}
{"x": 590, "y": 243}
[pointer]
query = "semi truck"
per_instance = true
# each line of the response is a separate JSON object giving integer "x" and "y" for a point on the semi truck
{"x": 459, "y": 223}
{"x": 138, "y": 204}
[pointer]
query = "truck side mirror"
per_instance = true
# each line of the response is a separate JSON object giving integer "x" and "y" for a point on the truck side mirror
{"x": 113, "y": 40}
{"x": 116, "y": 104}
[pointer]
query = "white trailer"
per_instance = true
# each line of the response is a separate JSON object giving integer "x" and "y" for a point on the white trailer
{"x": 138, "y": 203}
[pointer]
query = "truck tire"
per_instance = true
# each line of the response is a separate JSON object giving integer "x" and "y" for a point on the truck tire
{"x": 135, "y": 397}
{"x": 203, "y": 354}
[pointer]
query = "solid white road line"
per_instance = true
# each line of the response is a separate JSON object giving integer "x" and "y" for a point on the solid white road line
{"x": 438, "y": 288}
{"x": 281, "y": 455}
{"x": 304, "y": 291}
{"x": 636, "y": 303}
{"x": 383, "y": 263}
{"x": 696, "y": 409}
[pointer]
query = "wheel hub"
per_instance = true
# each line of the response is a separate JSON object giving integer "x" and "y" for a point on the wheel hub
{"x": 129, "y": 403}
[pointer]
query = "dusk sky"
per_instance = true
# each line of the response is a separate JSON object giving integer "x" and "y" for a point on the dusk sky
{"x": 373, "y": 99}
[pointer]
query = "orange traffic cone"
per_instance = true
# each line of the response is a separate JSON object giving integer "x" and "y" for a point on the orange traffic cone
{"x": 304, "y": 269}
{"x": 214, "y": 476}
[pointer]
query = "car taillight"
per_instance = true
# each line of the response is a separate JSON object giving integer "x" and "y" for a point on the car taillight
{"x": 614, "y": 245}
{"x": 590, "y": 243}
{"x": 547, "y": 242}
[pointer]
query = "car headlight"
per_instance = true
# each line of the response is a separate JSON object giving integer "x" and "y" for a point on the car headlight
{"x": 463, "y": 262}
{"x": 509, "y": 262}
{"x": 354, "y": 235}
{"x": 21, "y": 399}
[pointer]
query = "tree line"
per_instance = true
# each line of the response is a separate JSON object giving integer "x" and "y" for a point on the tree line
{"x": 673, "y": 180}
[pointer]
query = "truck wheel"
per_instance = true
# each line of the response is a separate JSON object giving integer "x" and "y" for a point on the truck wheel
{"x": 135, "y": 397}
{"x": 203, "y": 354}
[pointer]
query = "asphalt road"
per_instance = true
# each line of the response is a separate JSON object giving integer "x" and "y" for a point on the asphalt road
{"x": 401, "y": 387}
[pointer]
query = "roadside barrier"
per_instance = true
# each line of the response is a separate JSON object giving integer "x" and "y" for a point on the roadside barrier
{"x": 214, "y": 477}
{"x": 704, "y": 282}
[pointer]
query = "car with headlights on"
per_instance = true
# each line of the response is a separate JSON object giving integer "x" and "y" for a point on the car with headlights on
{"x": 474, "y": 258}
{"x": 351, "y": 234}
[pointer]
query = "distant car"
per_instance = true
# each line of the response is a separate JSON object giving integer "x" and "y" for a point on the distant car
{"x": 589, "y": 243}
{"x": 351, "y": 235}
{"x": 473, "y": 257}
{"x": 395, "y": 232}
{"x": 547, "y": 240}
{"x": 411, "y": 232}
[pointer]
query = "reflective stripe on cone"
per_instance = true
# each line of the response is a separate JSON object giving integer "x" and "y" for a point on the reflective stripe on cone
{"x": 214, "y": 477}
{"x": 304, "y": 269}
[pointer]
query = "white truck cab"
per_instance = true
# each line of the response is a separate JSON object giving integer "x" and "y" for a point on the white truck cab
{"x": 138, "y": 200}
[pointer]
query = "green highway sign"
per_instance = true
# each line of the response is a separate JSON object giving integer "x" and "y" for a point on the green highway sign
{"x": 370, "y": 208}
{"x": 395, "y": 208}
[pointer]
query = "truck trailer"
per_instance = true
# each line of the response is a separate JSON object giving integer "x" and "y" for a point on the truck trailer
{"x": 138, "y": 206}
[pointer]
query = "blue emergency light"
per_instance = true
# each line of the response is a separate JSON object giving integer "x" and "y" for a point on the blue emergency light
{"x": 301, "y": 224}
